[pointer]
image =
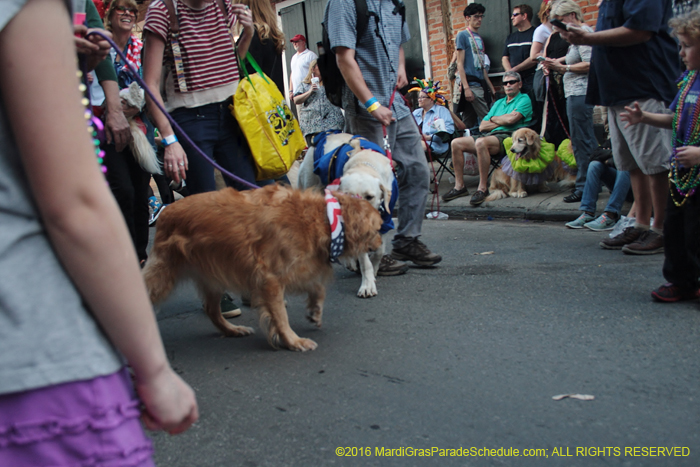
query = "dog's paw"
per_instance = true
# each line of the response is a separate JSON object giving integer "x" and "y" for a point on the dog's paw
{"x": 238, "y": 331}
{"x": 302, "y": 345}
{"x": 315, "y": 318}
{"x": 517, "y": 194}
{"x": 367, "y": 290}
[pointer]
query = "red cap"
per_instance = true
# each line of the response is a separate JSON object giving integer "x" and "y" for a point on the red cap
{"x": 297, "y": 38}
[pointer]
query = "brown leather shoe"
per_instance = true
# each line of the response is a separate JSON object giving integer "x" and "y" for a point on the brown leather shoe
{"x": 629, "y": 235}
{"x": 649, "y": 243}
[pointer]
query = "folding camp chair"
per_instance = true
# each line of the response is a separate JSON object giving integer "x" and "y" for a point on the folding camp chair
{"x": 444, "y": 159}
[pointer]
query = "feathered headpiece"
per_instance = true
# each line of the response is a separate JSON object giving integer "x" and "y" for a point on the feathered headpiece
{"x": 431, "y": 89}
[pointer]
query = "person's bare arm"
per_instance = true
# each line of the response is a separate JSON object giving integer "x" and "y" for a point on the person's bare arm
{"x": 401, "y": 78}
{"x": 505, "y": 61}
{"x": 507, "y": 119}
{"x": 616, "y": 37}
{"x": 345, "y": 58}
{"x": 80, "y": 215}
{"x": 524, "y": 65}
{"x": 116, "y": 126}
{"x": 633, "y": 115}
{"x": 246, "y": 19}
{"x": 152, "y": 68}
{"x": 468, "y": 93}
{"x": 487, "y": 125}
{"x": 536, "y": 50}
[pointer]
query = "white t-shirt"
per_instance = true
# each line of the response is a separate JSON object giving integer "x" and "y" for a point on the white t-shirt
{"x": 541, "y": 34}
{"x": 300, "y": 67}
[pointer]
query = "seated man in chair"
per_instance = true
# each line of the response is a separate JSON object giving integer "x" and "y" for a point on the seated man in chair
{"x": 432, "y": 116}
{"x": 507, "y": 115}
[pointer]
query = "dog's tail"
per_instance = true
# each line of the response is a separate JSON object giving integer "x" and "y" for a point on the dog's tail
{"x": 143, "y": 151}
{"x": 496, "y": 195}
{"x": 163, "y": 269}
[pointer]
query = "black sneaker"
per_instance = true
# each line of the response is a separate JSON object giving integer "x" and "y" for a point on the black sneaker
{"x": 417, "y": 252}
{"x": 229, "y": 309}
{"x": 390, "y": 267}
{"x": 629, "y": 235}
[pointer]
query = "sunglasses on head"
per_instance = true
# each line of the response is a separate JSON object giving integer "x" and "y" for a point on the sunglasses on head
{"x": 510, "y": 83}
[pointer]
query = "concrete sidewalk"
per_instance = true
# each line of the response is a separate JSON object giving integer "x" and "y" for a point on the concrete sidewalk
{"x": 536, "y": 206}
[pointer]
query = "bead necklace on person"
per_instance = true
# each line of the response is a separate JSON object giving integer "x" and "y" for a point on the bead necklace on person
{"x": 95, "y": 128}
{"x": 684, "y": 185}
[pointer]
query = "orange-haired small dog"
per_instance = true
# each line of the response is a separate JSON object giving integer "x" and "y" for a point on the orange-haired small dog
{"x": 527, "y": 145}
{"x": 261, "y": 243}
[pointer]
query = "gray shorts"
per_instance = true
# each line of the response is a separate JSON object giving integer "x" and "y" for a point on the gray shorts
{"x": 640, "y": 146}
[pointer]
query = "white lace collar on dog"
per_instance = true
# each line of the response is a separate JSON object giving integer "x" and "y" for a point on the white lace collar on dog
{"x": 335, "y": 218}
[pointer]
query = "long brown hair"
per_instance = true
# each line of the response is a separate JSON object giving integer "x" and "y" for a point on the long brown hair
{"x": 266, "y": 22}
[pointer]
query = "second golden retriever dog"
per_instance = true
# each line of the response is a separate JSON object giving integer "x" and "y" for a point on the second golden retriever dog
{"x": 262, "y": 243}
{"x": 526, "y": 144}
{"x": 366, "y": 174}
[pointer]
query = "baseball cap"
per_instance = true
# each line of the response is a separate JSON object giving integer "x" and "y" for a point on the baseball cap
{"x": 297, "y": 38}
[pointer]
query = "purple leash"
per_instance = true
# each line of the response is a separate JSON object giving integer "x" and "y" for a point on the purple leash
{"x": 174, "y": 124}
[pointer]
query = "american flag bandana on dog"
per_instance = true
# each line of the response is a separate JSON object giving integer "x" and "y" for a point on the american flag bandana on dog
{"x": 335, "y": 218}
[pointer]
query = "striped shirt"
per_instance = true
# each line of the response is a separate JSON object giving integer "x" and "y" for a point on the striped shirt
{"x": 205, "y": 42}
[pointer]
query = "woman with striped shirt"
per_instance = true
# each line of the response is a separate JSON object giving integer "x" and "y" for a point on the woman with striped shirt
{"x": 199, "y": 96}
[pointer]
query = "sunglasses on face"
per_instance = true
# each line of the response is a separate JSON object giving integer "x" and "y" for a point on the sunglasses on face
{"x": 478, "y": 16}
{"x": 515, "y": 15}
{"x": 124, "y": 10}
{"x": 510, "y": 83}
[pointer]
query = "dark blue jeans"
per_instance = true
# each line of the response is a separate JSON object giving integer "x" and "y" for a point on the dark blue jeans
{"x": 583, "y": 139}
{"x": 216, "y": 132}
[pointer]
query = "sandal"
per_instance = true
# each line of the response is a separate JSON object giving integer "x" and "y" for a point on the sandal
{"x": 479, "y": 197}
{"x": 453, "y": 194}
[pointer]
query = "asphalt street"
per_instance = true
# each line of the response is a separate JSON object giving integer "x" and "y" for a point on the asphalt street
{"x": 466, "y": 355}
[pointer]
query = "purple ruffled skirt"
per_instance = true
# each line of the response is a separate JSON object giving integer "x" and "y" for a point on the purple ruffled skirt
{"x": 92, "y": 423}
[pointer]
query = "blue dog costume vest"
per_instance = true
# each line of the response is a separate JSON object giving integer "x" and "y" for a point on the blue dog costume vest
{"x": 329, "y": 167}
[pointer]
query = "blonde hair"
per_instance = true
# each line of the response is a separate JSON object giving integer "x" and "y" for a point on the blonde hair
{"x": 309, "y": 75}
{"x": 564, "y": 7}
{"x": 265, "y": 22}
{"x": 543, "y": 14}
{"x": 115, "y": 3}
{"x": 687, "y": 24}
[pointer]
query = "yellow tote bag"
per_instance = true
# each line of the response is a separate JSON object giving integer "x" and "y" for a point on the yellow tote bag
{"x": 268, "y": 124}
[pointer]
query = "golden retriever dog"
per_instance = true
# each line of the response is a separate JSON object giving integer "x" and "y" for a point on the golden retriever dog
{"x": 261, "y": 243}
{"x": 526, "y": 144}
{"x": 368, "y": 175}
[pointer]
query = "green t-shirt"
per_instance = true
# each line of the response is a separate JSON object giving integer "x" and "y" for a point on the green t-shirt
{"x": 520, "y": 103}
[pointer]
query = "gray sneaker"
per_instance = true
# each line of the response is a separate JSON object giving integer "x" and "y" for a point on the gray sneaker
{"x": 604, "y": 222}
{"x": 580, "y": 221}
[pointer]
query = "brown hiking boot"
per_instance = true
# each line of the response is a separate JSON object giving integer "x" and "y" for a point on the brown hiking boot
{"x": 390, "y": 267}
{"x": 417, "y": 252}
{"x": 629, "y": 235}
{"x": 649, "y": 243}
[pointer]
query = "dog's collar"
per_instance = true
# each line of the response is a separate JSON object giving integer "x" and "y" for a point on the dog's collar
{"x": 335, "y": 219}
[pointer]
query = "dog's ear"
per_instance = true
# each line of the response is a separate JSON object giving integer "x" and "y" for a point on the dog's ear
{"x": 530, "y": 137}
{"x": 386, "y": 193}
